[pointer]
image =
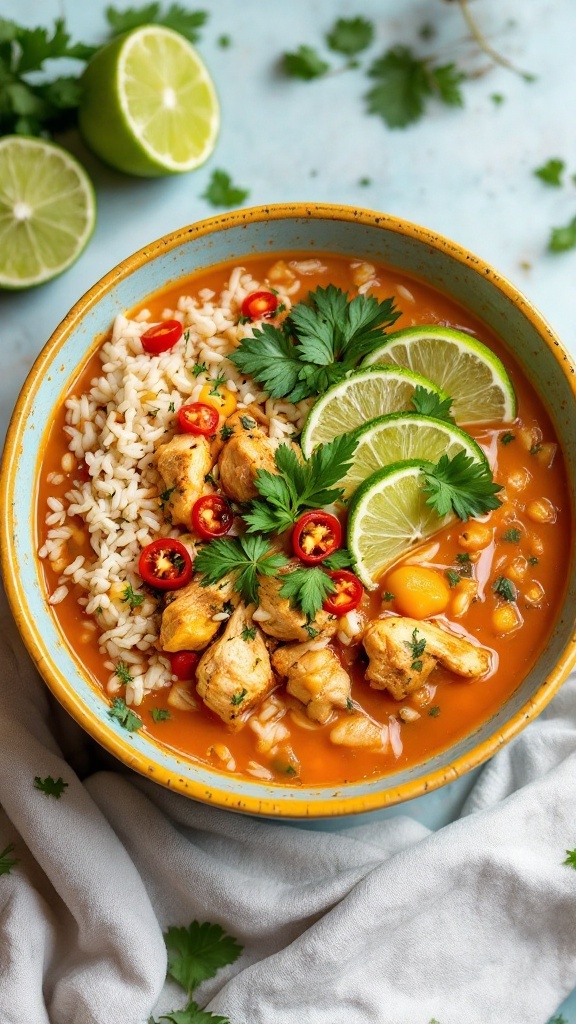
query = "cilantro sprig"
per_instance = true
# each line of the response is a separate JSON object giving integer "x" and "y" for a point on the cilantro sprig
{"x": 570, "y": 859}
{"x": 317, "y": 344}
{"x": 221, "y": 191}
{"x": 127, "y": 718}
{"x": 198, "y": 952}
{"x": 307, "y": 588}
{"x": 192, "y": 1014}
{"x": 50, "y": 786}
{"x": 245, "y": 558}
{"x": 462, "y": 485}
{"x": 429, "y": 403}
{"x": 299, "y": 485}
{"x": 403, "y": 84}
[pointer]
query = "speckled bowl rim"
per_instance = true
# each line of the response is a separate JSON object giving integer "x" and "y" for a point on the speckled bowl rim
{"x": 336, "y": 802}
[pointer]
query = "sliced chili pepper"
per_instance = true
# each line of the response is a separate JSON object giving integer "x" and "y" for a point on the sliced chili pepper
{"x": 212, "y": 516}
{"x": 183, "y": 663}
{"x": 259, "y": 304}
{"x": 198, "y": 418}
{"x": 161, "y": 337}
{"x": 315, "y": 535}
{"x": 348, "y": 593}
{"x": 165, "y": 564}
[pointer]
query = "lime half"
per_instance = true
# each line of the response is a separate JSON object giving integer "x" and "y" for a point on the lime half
{"x": 475, "y": 379}
{"x": 401, "y": 436}
{"x": 149, "y": 106}
{"x": 362, "y": 396}
{"x": 47, "y": 211}
{"x": 388, "y": 515}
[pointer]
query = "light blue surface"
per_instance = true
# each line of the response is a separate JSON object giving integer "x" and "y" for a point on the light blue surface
{"x": 465, "y": 173}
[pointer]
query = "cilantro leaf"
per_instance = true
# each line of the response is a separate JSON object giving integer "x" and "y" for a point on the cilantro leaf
{"x": 197, "y": 952}
{"x": 129, "y": 596}
{"x": 123, "y": 673}
{"x": 221, "y": 192}
{"x": 462, "y": 485}
{"x": 507, "y": 438}
{"x": 562, "y": 239}
{"x": 186, "y": 22}
{"x": 160, "y": 714}
{"x": 350, "y": 35}
{"x": 512, "y": 536}
{"x": 430, "y": 404}
{"x": 124, "y": 715}
{"x": 270, "y": 357}
{"x": 304, "y": 63}
{"x": 6, "y": 861}
{"x": 452, "y": 577}
{"x": 237, "y": 698}
{"x": 504, "y": 588}
{"x": 132, "y": 17}
{"x": 447, "y": 79}
{"x": 246, "y": 558}
{"x": 307, "y": 589}
{"x": 176, "y": 17}
{"x": 551, "y": 172}
{"x": 50, "y": 786}
{"x": 570, "y": 859}
{"x": 404, "y": 83}
{"x": 416, "y": 646}
{"x": 192, "y": 1014}
{"x": 341, "y": 559}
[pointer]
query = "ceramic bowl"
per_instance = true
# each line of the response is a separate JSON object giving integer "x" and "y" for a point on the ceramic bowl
{"x": 323, "y": 228}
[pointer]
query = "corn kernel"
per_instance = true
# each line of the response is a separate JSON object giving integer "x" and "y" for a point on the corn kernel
{"x": 475, "y": 537}
{"x": 534, "y": 594}
{"x": 541, "y": 511}
{"x": 506, "y": 618}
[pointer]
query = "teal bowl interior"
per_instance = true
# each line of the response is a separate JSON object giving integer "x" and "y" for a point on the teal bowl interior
{"x": 351, "y": 232}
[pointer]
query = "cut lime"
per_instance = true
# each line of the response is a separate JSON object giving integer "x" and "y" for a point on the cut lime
{"x": 47, "y": 211}
{"x": 401, "y": 436}
{"x": 149, "y": 106}
{"x": 475, "y": 379}
{"x": 362, "y": 396}
{"x": 388, "y": 515}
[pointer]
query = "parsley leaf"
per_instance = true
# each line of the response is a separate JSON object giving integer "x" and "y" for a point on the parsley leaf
{"x": 160, "y": 714}
{"x": 428, "y": 403}
{"x": 341, "y": 559}
{"x": 123, "y": 673}
{"x": 404, "y": 83}
{"x": 562, "y": 239}
{"x": 461, "y": 484}
{"x": 197, "y": 952}
{"x": 237, "y": 698}
{"x": 350, "y": 35}
{"x": 192, "y": 1014}
{"x": 6, "y": 861}
{"x": 248, "y": 633}
{"x": 216, "y": 383}
{"x": 307, "y": 589}
{"x": 246, "y": 558}
{"x": 50, "y": 786}
{"x": 226, "y": 432}
{"x": 551, "y": 172}
{"x": 130, "y": 596}
{"x": 416, "y": 646}
{"x": 570, "y": 858}
{"x": 127, "y": 718}
{"x": 304, "y": 63}
{"x": 512, "y": 536}
{"x": 199, "y": 368}
{"x": 221, "y": 192}
{"x": 504, "y": 588}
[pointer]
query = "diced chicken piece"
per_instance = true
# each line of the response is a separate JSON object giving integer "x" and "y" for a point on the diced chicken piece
{"x": 403, "y": 652}
{"x": 241, "y": 458}
{"x": 183, "y": 464}
{"x": 241, "y": 421}
{"x": 188, "y": 622}
{"x": 315, "y": 677}
{"x": 359, "y": 731}
{"x": 284, "y": 622}
{"x": 235, "y": 674}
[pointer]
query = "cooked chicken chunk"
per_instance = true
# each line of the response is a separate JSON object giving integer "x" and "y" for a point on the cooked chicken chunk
{"x": 187, "y": 620}
{"x": 315, "y": 677}
{"x": 235, "y": 674}
{"x": 284, "y": 622}
{"x": 359, "y": 731}
{"x": 183, "y": 463}
{"x": 241, "y": 458}
{"x": 403, "y": 652}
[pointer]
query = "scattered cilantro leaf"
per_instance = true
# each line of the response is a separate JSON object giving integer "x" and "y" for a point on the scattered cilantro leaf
{"x": 461, "y": 484}
{"x": 123, "y": 673}
{"x": 197, "y": 952}
{"x": 246, "y": 558}
{"x": 387, "y": 596}
{"x": 428, "y": 403}
{"x": 192, "y": 1014}
{"x": 216, "y": 383}
{"x": 50, "y": 786}
{"x": 562, "y": 239}
{"x": 176, "y": 17}
{"x": 224, "y": 41}
{"x": 307, "y": 589}
{"x": 226, "y": 432}
{"x": 452, "y": 577}
{"x": 304, "y": 63}
{"x": 350, "y": 35}
{"x": 512, "y": 536}
{"x": 228, "y": 608}
{"x": 504, "y": 588}
{"x": 124, "y": 715}
{"x": 6, "y": 861}
{"x": 247, "y": 422}
{"x": 199, "y": 368}
{"x": 570, "y": 859}
{"x": 532, "y": 560}
{"x": 497, "y": 98}
{"x": 237, "y": 698}
{"x": 551, "y": 172}
{"x": 248, "y": 633}
{"x": 222, "y": 192}
{"x": 405, "y": 82}
{"x": 341, "y": 559}
{"x": 535, "y": 448}
{"x": 312, "y": 633}
{"x": 160, "y": 714}
{"x": 434, "y": 711}
{"x": 507, "y": 438}
{"x": 171, "y": 407}
{"x": 416, "y": 646}
{"x": 463, "y": 557}
{"x": 132, "y": 598}
{"x": 447, "y": 79}
{"x": 349, "y": 704}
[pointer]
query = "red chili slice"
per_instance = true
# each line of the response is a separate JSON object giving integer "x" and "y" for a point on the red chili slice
{"x": 348, "y": 594}
{"x": 165, "y": 564}
{"x": 315, "y": 535}
{"x": 198, "y": 418}
{"x": 183, "y": 663}
{"x": 161, "y": 337}
{"x": 212, "y": 516}
{"x": 259, "y": 304}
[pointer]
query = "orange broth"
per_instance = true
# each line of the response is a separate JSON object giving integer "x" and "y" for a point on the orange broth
{"x": 449, "y": 707}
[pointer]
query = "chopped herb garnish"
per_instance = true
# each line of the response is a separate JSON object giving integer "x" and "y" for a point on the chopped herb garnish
{"x": 153, "y": 413}
{"x": 535, "y": 449}
{"x": 160, "y": 714}
{"x": 165, "y": 496}
{"x": 248, "y": 633}
{"x": 171, "y": 407}
{"x": 551, "y": 172}
{"x": 226, "y": 432}
{"x": 237, "y": 698}
{"x": 349, "y": 704}
{"x": 245, "y": 558}
{"x": 431, "y": 404}
{"x": 507, "y": 438}
{"x": 99, "y": 610}
{"x": 504, "y": 588}
{"x": 222, "y": 192}
{"x": 244, "y": 319}
{"x": 562, "y": 239}
{"x": 247, "y": 422}
{"x": 228, "y": 608}
{"x": 224, "y": 42}
{"x": 132, "y": 598}
{"x": 123, "y": 673}
{"x": 533, "y": 560}
{"x": 463, "y": 557}
{"x": 416, "y": 666}
{"x": 127, "y": 718}
{"x": 404, "y": 83}
{"x": 199, "y": 368}
{"x": 6, "y": 861}
{"x": 312, "y": 633}
{"x": 570, "y": 859}
{"x": 512, "y": 536}
{"x": 364, "y": 182}
{"x": 387, "y": 596}
{"x": 307, "y": 589}
{"x": 434, "y": 711}
{"x": 416, "y": 646}
{"x": 341, "y": 559}
{"x": 197, "y": 953}
{"x": 453, "y": 577}
{"x": 50, "y": 786}
{"x": 216, "y": 385}
{"x": 497, "y": 98}
{"x": 209, "y": 479}
{"x": 462, "y": 484}
{"x": 186, "y": 335}
{"x": 304, "y": 63}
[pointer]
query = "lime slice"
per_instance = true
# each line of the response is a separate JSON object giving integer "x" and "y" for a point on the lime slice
{"x": 363, "y": 395}
{"x": 401, "y": 436}
{"x": 149, "y": 106}
{"x": 47, "y": 211}
{"x": 475, "y": 379}
{"x": 388, "y": 514}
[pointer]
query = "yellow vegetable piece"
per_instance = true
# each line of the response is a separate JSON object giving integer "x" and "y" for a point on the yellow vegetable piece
{"x": 418, "y": 591}
{"x": 220, "y": 398}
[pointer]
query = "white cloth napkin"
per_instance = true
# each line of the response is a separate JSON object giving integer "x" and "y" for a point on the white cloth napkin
{"x": 385, "y": 923}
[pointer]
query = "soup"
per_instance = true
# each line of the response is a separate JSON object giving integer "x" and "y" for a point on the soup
{"x": 151, "y": 477}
